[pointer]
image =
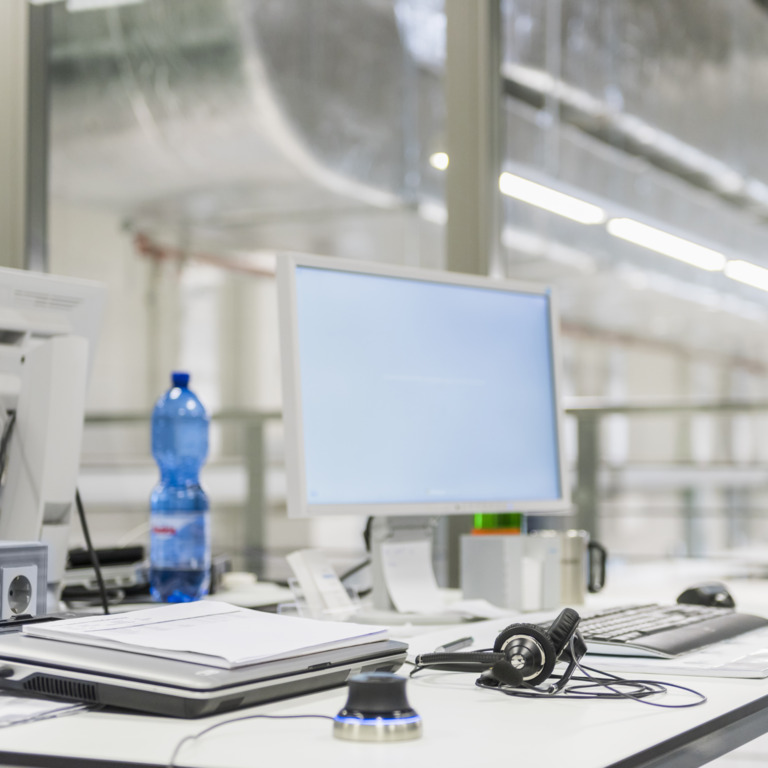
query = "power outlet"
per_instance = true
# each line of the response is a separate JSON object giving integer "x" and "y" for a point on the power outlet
{"x": 23, "y": 579}
{"x": 19, "y": 591}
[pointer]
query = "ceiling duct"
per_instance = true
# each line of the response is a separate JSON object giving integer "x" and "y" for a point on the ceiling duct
{"x": 207, "y": 101}
{"x": 223, "y": 113}
{"x": 191, "y": 107}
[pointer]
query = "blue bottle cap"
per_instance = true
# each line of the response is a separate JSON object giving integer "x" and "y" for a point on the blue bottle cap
{"x": 180, "y": 379}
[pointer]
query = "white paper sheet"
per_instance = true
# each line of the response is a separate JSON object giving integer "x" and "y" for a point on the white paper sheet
{"x": 477, "y": 608}
{"x": 15, "y": 710}
{"x": 409, "y": 577}
{"x": 209, "y": 632}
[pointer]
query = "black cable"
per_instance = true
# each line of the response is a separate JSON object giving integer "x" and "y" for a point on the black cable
{"x": 94, "y": 557}
{"x": 640, "y": 690}
{"x": 354, "y": 569}
{"x": 344, "y": 576}
{"x": 4, "y": 442}
{"x": 607, "y": 683}
{"x": 585, "y": 670}
{"x": 574, "y": 692}
{"x": 213, "y": 727}
{"x": 6, "y": 438}
{"x": 612, "y": 682}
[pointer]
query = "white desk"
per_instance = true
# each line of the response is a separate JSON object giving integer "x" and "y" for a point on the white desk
{"x": 463, "y": 726}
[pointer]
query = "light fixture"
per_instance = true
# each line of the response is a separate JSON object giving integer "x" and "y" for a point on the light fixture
{"x": 746, "y": 272}
{"x": 550, "y": 199}
{"x": 433, "y": 212}
{"x": 91, "y": 5}
{"x": 439, "y": 160}
{"x": 669, "y": 245}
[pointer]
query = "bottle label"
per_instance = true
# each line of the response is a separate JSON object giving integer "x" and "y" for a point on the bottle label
{"x": 181, "y": 540}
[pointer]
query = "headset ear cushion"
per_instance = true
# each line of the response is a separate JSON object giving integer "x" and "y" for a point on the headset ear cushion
{"x": 532, "y": 630}
{"x": 546, "y": 663}
{"x": 562, "y": 628}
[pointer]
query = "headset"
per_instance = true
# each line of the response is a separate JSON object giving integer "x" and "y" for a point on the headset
{"x": 523, "y": 655}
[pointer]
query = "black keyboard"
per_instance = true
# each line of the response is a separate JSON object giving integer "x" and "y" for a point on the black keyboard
{"x": 663, "y": 630}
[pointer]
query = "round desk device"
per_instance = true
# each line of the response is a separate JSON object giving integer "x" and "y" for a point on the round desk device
{"x": 377, "y": 709}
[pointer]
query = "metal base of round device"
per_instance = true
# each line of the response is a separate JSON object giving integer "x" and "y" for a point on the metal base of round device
{"x": 377, "y": 729}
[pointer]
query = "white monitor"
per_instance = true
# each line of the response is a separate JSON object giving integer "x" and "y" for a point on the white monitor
{"x": 413, "y": 392}
{"x": 48, "y": 329}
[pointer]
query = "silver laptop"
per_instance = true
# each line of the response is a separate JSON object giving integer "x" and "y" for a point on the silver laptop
{"x": 154, "y": 685}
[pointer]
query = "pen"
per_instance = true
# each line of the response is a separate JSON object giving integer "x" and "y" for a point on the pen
{"x": 455, "y": 645}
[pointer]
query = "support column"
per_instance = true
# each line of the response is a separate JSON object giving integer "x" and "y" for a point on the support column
{"x": 37, "y": 138}
{"x": 256, "y": 506}
{"x": 473, "y": 132}
{"x": 13, "y": 122}
{"x": 586, "y": 494}
{"x": 24, "y": 31}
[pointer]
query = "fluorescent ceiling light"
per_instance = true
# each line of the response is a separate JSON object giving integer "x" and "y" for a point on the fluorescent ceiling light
{"x": 670, "y": 245}
{"x": 550, "y": 199}
{"x": 748, "y": 273}
{"x": 92, "y": 5}
{"x": 433, "y": 212}
{"x": 439, "y": 160}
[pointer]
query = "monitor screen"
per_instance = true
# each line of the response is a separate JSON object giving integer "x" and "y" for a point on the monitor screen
{"x": 417, "y": 392}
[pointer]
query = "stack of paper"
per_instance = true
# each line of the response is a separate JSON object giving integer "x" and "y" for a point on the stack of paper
{"x": 208, "y": 632}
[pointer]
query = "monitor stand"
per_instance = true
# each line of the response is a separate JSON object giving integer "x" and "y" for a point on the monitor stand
{"x": 383, "y": 611}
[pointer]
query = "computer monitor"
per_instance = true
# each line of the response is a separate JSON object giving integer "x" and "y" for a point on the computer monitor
{"x": 48, "y": 329}
{"x": 410, "y": 392}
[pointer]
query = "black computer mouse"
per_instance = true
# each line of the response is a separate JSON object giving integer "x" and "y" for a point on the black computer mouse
{"x": 713, "y": 593}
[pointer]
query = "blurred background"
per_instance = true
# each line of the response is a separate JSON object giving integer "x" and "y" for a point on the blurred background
{"x": 178, "y": 147}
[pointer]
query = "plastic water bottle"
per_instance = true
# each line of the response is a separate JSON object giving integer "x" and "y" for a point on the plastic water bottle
{"x": 180, "y": 540}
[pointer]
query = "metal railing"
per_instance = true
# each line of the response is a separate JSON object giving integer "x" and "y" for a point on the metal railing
{"x": 589, "y": 414}
{"x": 588, "y": 491}
{"x": 252, "y": 425}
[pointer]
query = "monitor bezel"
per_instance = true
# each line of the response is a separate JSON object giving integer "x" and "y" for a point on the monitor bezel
{"x": 296, "y": 496}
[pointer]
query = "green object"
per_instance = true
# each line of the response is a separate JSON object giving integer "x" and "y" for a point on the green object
{"x": 500, "y": 521}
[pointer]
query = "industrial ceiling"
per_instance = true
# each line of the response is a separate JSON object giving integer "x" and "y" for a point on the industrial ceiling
{"x": 254, "y": 125}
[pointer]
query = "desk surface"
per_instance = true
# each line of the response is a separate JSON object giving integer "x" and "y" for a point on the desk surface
{"x": 463, "y": 725}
